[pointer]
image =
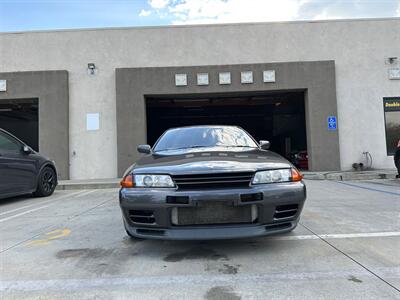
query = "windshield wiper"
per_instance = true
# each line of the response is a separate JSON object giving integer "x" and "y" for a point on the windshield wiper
{"x": 239, "y": 146}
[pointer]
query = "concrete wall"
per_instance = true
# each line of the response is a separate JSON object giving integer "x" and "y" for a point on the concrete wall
{"x": 357, "y": 47}
{"x": 316, "y": 78}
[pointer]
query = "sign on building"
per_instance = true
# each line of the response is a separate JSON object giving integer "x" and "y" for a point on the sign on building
{"x": 391, "y": 107}
{"x": 332, "y": 123}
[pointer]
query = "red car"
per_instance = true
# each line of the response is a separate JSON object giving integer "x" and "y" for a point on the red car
{"x": 300, "y": 159}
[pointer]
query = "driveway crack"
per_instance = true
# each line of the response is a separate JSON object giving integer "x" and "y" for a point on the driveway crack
{"x": 350, "y": 257}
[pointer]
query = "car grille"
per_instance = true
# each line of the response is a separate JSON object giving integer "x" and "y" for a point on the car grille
{"x": 214, "y": 213}
{"x": 218, "y": 180}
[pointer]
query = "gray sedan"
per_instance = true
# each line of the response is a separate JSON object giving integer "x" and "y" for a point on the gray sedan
{"x": 22, "y": 170}
{"x": 210, "y": 182}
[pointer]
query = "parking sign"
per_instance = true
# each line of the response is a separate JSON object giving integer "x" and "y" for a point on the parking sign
{"x": 332, "y": 123}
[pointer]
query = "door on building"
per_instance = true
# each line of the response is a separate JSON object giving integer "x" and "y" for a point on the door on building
{"x": 275, "y": 116}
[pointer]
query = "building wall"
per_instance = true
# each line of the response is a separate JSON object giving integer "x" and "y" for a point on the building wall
{"x": 51, "y": 88}
{"x": 357, "y": 47}
{"x": 317, "y": 79}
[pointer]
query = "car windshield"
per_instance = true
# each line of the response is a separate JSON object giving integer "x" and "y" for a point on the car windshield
{"x": 202, "y": 137}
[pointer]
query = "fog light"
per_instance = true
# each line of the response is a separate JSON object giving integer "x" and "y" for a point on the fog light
{"x": 174, "y": 216}
{"x": 254, "y": 212}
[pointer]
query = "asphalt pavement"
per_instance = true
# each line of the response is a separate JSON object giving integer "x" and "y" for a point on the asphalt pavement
{"x": 72, "y": 245}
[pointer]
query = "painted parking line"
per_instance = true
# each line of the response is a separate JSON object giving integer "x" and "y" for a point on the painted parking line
{"x": 337, "y": 236}
{"x": 85, "y": 193}
{"x": 19, "y": 208}
{"x": 24, "y": 213}
{"x": 39, "y": 203}
{"x": 368, "y": 188}
{"x": 179, "y": 280}
{"x": 51, "y": 202}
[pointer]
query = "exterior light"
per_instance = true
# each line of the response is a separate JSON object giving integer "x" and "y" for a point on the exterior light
{"x": 91, "y": 68}
{"x": 180, "y": 79}
{"x": 202, "y": 78}
{"x": 246, "y": 77}
{"x": 269, "y": 76}
{"x": 225, "y": 78}
{"x": 391, "y": 60}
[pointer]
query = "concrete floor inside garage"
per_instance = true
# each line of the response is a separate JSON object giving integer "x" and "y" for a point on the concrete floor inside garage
{"x": 73, "y": 246}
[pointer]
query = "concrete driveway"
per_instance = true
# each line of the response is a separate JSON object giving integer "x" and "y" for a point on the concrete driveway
{"x": 73, "y": 246}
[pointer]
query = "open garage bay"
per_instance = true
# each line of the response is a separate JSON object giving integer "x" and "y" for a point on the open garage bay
{"x": 73, "y": 246}
{"x": 20, "y": 118}
{"x": 280, "y": 116}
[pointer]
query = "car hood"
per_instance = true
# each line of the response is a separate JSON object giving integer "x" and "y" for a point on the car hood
{"x": 197, "y": 162}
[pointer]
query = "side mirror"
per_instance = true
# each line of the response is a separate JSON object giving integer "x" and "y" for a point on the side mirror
{"x": 265, "y": 145}
{"x": 146, "y": 149}
{"x": 26, "y": 149}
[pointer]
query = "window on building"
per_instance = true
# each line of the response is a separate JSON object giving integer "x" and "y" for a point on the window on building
{"x": 392, "y": 123}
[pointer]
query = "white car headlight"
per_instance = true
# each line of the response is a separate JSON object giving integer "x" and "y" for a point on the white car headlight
{"x": 271, "y": 176}
{"x": 148, "y": 180}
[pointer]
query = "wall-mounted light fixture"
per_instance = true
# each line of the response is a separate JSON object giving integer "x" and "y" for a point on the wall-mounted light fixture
{"x": 180, "y": 79}
{"x": 394, "y": 70}
{"x": 246, "y": 77}
{"x": 91, "y": 68}
{"x": 269, "y": 76}
{"x": 202, "y": 78}
{"x": 391, "y": 60}
{"x": 224, "y": 78}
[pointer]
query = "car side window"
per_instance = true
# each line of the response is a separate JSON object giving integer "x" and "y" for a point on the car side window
{"x": 8, "y": 143}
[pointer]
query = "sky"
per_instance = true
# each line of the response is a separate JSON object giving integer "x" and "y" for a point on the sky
{"x": 24, "y": 15}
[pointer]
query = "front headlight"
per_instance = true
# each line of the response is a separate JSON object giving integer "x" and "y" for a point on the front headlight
{"x": 271, "y": 176}
{"x": 148, "y": 180}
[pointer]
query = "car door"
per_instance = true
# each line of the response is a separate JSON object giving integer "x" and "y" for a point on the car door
{"x": 18, "y": 170}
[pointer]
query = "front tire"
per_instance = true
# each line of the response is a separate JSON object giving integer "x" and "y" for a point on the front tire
{"x": 46, "y": 182}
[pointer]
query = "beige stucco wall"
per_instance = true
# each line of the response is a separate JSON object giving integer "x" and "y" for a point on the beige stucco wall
{"x": 358, "y": 48}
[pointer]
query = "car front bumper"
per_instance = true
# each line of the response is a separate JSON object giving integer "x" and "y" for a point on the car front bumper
{"x": 271, "y": 219}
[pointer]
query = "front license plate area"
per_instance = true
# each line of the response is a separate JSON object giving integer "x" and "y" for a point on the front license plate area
{"x": 212, "y": 213}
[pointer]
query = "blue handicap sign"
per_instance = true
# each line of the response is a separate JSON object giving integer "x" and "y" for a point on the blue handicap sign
{"x": 331, "y": 119}
{"x": 332, "y": 123}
